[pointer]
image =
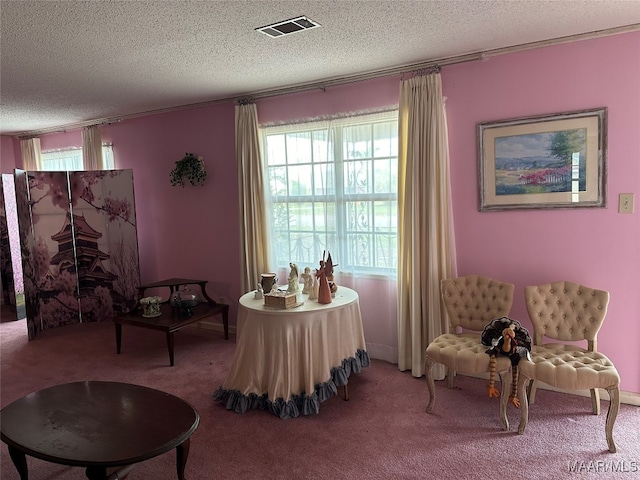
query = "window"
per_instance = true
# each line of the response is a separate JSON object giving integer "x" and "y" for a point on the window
{"x": 332, "y": 186}
{"x": 71, "y": 159}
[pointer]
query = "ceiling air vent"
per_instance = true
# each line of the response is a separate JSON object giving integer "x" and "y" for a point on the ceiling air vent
{"x": 287, "y": 27}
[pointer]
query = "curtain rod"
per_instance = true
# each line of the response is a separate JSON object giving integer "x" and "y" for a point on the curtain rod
{"x": 73, "y": 126}
{"x": 336, "y": 81}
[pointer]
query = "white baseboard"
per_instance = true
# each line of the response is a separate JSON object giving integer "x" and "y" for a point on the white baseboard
{"x": 629, "y": 398}
{"x": 217, "y": 327}
{"x": 382, "y": 352}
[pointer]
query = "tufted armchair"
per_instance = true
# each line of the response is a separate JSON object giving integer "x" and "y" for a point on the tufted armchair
{"x": 470, "y": 302}
{"x": 568, "y": 312}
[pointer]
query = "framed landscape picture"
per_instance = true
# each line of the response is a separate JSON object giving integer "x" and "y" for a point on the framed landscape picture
{"x": 550, "y": 161}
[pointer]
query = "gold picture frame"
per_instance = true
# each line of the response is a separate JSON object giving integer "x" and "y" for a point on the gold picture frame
{"x": 547, "y": 161}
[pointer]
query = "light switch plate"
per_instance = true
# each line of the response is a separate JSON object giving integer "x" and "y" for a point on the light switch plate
{"x": 625, "y": 203}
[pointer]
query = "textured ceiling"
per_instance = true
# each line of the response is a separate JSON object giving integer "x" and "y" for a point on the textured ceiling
{"x": 65, "y": 63}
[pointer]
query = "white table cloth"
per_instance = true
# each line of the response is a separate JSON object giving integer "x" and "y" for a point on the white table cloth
{"x": 288, "y": 361}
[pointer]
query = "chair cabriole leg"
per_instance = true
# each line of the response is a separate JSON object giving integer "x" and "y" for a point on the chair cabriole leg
{"x": 428, "y": 364}
{"x": 523, "y": 383}
{"x": 451, "y": 374}
{"x": 595, "y": 401}
{"x": 532, "y": 391}
{"x": 612, "y": 413}
{"x": 505, "y": 384}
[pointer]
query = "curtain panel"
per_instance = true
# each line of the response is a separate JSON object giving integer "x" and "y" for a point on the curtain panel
{"x": 92, "y": 148}
{"x": 31, "y": 156}
{"x": 426, "y": 249}
{"x": 254, "y": 240}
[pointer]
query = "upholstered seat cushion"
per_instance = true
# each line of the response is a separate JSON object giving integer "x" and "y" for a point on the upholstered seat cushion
{"x": 464, "y": 353}
{"x": 569, "y": 367}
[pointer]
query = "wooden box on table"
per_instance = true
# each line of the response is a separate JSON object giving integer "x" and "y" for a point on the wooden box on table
{"x": 280, "y": 300}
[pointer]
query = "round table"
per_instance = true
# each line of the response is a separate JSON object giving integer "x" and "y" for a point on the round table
{"x": 290, "y": 360}
{"x": 97, "y": 425}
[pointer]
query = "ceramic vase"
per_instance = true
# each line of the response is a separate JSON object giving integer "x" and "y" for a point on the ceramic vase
{"x": 267, "y": 280}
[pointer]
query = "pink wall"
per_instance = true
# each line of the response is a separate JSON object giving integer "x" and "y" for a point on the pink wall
{"x": 7, "y": 154}
{"x": 193, "y": 231}
{"x": 54, "y": 141}
{"x": 596, "y": 247}
{"x": 345, "y": 98}
{"x": 187, "y": 232}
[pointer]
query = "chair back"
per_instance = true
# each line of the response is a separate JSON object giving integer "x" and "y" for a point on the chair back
{"x": 566, "y": 311}
{"x": 472, "y": 301}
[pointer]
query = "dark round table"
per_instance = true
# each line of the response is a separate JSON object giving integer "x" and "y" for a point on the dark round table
{"x": 105, "y": 427}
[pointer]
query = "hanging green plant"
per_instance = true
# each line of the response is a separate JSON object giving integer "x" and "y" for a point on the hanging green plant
{"x": 191, "y": 168}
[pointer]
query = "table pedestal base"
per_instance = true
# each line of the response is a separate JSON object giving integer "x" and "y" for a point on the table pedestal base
{"x": 19, "y": 460}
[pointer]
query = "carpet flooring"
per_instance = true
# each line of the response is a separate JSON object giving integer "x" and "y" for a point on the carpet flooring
{"x": 382, "y": 432}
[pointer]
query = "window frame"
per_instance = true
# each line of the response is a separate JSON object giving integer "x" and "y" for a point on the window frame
{"x": 342, "y": 234}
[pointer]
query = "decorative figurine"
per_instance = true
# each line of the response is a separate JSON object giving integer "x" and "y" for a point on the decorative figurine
{"x": 294, "y": 281}
{"x": 307, "y": 281}
{"x": 333, "y": 288}
{"x": 324, "y": 293}
{"x": 506, "y": 337}
{"x": 259, "y": 292}
{"x": 313, "y": 291}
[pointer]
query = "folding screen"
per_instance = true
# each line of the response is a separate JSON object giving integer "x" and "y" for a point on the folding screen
{"x": 79, "y": 246}
{"x": 9, "y": 234}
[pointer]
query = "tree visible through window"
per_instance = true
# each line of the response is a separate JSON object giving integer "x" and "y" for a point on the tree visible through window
{"x": 332, "y": 186}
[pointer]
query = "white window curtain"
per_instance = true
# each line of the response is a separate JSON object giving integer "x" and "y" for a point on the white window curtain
{"x": 92, "y": 148}
{"x": 67, "y": 159}
{"x": 254, "y": 244}
{"x": 31, "y": 156}
{"x": 71, "y": 159}
{"x": 426, "y": 244}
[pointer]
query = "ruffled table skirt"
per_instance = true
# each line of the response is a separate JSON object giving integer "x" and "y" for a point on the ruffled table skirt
{"x": 298, "y": 404}
{"x": 289, "y": 361}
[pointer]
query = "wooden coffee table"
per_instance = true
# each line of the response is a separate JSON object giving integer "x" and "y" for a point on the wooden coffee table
{"x": 172, "y": 319}
{"x": 101, "y": 426}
